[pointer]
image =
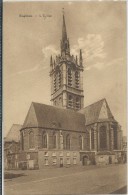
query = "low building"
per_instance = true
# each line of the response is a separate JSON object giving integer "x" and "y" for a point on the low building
{"x": 12, "y": 147}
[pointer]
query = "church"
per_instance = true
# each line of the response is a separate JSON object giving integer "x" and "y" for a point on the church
{"x": 67, "y": 133}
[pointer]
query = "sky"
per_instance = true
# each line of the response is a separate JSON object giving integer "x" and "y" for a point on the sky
{"x": 98, "y": 28}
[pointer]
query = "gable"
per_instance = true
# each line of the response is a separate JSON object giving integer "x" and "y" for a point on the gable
{"x": 31, "y": 119}
{"x": 97, "y": 112}
{"x": 103, "y": 112}
{"x": 14, "y": 133}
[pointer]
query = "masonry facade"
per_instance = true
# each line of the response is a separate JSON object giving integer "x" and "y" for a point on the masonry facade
{"x": 66, "y": 72}
{"x": 67, "y": 133}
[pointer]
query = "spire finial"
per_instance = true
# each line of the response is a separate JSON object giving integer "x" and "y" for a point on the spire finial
{"x": 81, "y": 59}
{"x": 63, "y": 10}
{"x": 64, "y": 32}
{"x": 64, "y": 42}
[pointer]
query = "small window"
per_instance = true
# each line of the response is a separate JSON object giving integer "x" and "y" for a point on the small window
{"x": 68, "y": 153}
{"x": 74, "y": 161}
{"x": 46, "y": 161}
{"x": 45, "y": 153}
{"x": 28, "y": 156}
{"x": 68, "y": 161}
{"x": 54, "y": 154}
{"x": 74, "y": 154}
{"x": 54, "y": 162}
{"x": 61, "y": 153}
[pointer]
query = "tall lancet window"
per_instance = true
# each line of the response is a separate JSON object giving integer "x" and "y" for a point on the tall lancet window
{"x": 31, "y": 139}
{"x": 115, "y": 137}
{"x": 68, "y": 142}
{"x": 92, "y": 139}
{"x": 103, "y": 137}
{"x": 61, "y": 140}
{"x": 69, "y": 77}
{"x": 54, "y": 140}
{"x": 77, "y": 79}
{"x": 22, "y": 140}
{"x": 44, "y": 140}
{"x": 81, "y": 142}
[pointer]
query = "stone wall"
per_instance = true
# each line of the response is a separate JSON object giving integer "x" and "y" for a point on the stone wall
{"x": 57, "y": 158}
{"x": 38, "y": 132}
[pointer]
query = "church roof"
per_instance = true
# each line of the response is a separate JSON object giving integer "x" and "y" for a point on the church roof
{"x": 97, "y": 112}
{"x": 46, "y": 116}
{"x": 14, "y": 133}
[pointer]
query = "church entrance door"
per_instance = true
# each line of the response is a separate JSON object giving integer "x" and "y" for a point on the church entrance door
{"x": 61, "y": 162}
{"x": 85, "y": 160}
{"x": 110, "y": 160}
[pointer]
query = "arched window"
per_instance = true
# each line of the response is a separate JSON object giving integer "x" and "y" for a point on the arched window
{"x": 70, "y": 101}
{"x": 77, "y": 103}
{"x": 31, "y": 139}
{"x": 81, "y": 142}
{"x": 115, "y": 137}
{"x": 103, "y": 137}
{"x": 22, "y": 140}
{"x": 44, "y": 140}
{"x": 87, "y": 140}
{"x": 77, "y": 79}
{"x": 60, "y": 101}
{"x": 68, "y": 142}
{"x": 92, "y": 139}
{"x": 54, "y": 140}
{"x": 69, "y": 77}
{"x": 61, "y": 141}
{"x": 59, "y": 78}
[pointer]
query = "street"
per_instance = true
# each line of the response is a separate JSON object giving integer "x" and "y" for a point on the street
{"x": 74, "y": 180}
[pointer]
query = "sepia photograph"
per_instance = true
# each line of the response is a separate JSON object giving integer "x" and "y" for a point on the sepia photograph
{"x": 64, "y": 97}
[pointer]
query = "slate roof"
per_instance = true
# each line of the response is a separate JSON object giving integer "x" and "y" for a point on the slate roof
{"x": 14, "y": 133}
{"x": 46, "y": 116}
{"x": 92, "y": 112}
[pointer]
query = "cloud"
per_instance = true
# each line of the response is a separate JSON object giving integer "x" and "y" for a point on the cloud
{"x": 70, "y": 2}
{"x": 47, "y": 52}
{"x": 50, "y": 50}
{"x": 103, "y": 65}
{"x": 92, "y": 47}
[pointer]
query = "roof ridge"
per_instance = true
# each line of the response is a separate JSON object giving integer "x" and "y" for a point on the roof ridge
{"x": 59, "y": 108}
{"x": 95, "y": 102}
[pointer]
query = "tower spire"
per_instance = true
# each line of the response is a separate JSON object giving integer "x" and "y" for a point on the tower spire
{"x": 65, "y": 48}
{"x": 64, "y": 32}
{"x": 51, "y": 64}
{"x": 81, "y": 59}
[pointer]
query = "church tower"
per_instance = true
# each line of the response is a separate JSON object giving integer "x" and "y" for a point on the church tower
{"x": 66, "y": 72}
